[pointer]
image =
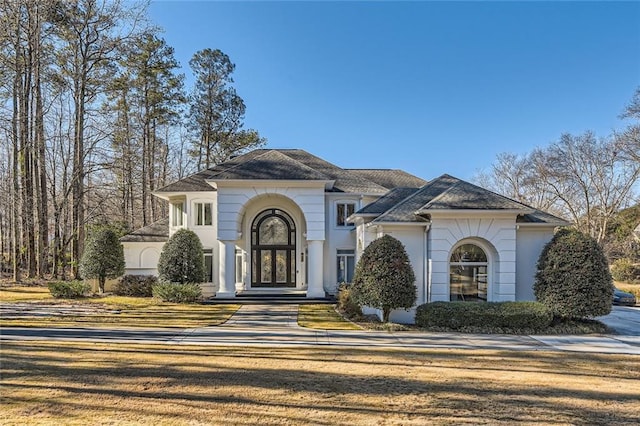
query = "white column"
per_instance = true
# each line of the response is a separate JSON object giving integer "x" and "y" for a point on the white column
{"x": 314, "y": 263}
{"x": 227, "y": 277}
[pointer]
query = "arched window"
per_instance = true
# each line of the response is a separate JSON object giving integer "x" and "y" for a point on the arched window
{"x": 273, "y": 248}
{"x": 468, "y": 268}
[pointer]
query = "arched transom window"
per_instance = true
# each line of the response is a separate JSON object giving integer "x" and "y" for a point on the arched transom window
{"x": 273, "y": 246}
{"x": 468, "y": 268}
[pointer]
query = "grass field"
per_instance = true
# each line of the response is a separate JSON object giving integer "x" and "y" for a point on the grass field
{"x": 110, "y": 311}
{"x": 58, "y": 383}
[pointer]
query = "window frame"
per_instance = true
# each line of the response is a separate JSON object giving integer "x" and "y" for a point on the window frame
{"x": 345, "y": 204}
{"x": 178, "y": 212}
{"x": 207, "y": 252}
{"x": 480, "y": 280}
{"x": 200, "y": 212}
{"x": 344, "y": 256}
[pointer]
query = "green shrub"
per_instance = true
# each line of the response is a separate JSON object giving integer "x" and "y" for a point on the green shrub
{"x": 182, "y": 259}
{"x": 103, "y": 256}
{"x": 491, "y": 316}
{"x": 346, "y": 303}
{"x": 135, "y": 285}
{"x": 68, "y": 289}
{"x": 573, "y": 278}
{"x": 626, "y": 271}
{"x": 384, "y": 278}
{"x": 177, "y": 292}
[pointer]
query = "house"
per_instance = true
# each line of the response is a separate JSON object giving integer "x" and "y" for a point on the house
{"x": 283, "y": 220}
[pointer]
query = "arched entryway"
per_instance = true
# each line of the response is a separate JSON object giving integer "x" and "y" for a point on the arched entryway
{"x": 468, "y": 273}
{"x": 273, "y": 250}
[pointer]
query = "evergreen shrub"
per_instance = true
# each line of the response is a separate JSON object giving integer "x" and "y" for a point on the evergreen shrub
{"x": 182, "y": 259}
{"x": 573, "y": 278}
{"x": 135, "y": 285}
{"x": 177, "y": 292}
{"x": 384, "y": 278}
{"x": 68, "y": 289}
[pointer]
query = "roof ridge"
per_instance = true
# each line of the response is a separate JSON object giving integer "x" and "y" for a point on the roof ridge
{"x": 404, "y": 200}
{"x": 442, "y": 194}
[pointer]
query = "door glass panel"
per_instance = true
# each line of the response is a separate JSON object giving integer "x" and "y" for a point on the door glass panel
{"x": 281, "y": 266}
{"x": 273, "y": 231}
{"x": 265, "y": 265}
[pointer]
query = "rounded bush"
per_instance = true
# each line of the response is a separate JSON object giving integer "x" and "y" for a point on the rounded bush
{"x": 182, "y": 259}
{"x": 135, "y": 285}
{"x": 68, "y": 289}
{"x": 573, "y": 278}
{"x": 491, "y": 316}
{"x": 103, "y": 256}
{"x": 177, "y": 292}
{"x": 626, "y": 271}
{"x": 384, "y": 278}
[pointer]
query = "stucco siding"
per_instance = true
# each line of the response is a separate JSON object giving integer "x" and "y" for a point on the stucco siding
{"x": 141, "y": 258}
{"x": 529, "y": 243}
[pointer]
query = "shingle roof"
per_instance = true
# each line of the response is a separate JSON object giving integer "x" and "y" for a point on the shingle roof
{"x": 450, "y": 193}
{"x": 156, "y": 232}
{"x": 390, "y": 178}
{"x": 387, "y": 201}
{"x": 295, "y": 164}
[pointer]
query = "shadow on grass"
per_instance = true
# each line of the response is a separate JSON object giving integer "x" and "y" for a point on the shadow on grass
{"x": 329, "y": 384}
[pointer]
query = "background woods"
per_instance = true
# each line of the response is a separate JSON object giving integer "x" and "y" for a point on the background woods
{"x": 92, "y": 121}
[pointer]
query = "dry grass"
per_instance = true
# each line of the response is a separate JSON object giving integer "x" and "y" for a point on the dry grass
{"x": 58, "y": 383}
{"x": 323, "y": 317}
{"x": 109, "y": 311}
{"x": 24, "y": 293}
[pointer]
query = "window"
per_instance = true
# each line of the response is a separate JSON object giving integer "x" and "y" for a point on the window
{"x": 346, "y": 265}
{"x": 344, "y": 210}
{"x": 204, "y": 214}
{"x": 208, "y": 265}
{"x": 177, "y": 213}
{"x": 239, "y": 266}
{"x": 468, "y": 273}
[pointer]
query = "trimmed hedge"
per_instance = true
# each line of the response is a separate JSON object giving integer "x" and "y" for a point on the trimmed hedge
{"x": 177, "y": 292}
{"x": 573, "y": 277}
{"x": 346, "y": 304}
{"x": 466, "y": 316}
{"x": 384, "y": 278}
{"x": 68, "y": 289}
{"x": 135, "y": 285}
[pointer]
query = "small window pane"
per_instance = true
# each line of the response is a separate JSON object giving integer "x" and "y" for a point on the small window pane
{"x": 199, "y": 219}
{"x": 239, "y": 264}
{"x": 341, "y": 215}
{"x": 208, "y": 216}
{"x": 208, "y": 267}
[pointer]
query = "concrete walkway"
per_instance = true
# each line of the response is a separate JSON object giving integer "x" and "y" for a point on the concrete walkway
{"x": 276, "y": 325}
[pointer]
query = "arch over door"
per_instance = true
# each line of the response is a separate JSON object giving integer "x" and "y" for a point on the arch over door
{"x": 273, "y": 250}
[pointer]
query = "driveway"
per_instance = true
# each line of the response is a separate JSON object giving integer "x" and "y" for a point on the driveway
{"x": 624, "y": 320}
{"x": 276, "y": 326}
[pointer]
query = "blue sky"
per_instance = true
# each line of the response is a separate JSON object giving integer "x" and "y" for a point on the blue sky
{"x": 428, "y": 87}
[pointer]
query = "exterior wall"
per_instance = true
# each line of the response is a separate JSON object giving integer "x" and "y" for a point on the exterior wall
{"x": 141, "y": 258}
{"x": 529, "y": 244}
{"x": 237, "y": 206}
{"x": 337, "y": 238}
{"x": 497, "y": 236}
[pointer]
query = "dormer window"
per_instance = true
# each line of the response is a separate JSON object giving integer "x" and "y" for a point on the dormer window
{"x": 343, "y": 211}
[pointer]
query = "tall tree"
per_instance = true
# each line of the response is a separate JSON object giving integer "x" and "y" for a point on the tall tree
{"x": 91, "y": 33}
{"x": 217, "y": 112}
{"x": 150, "y": 95}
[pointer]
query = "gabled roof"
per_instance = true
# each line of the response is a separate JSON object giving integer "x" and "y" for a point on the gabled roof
{"x": 390, "y": 178}
{"x": 156, "y": 232}
{"x": 294, "y": 164}
{"x": 450, "y": 193}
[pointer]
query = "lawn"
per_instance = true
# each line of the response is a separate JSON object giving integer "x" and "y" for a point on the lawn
{"x": 64, "y": 383}
{"x": 323, "y": 317}
{"x": 107, "y": 311}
